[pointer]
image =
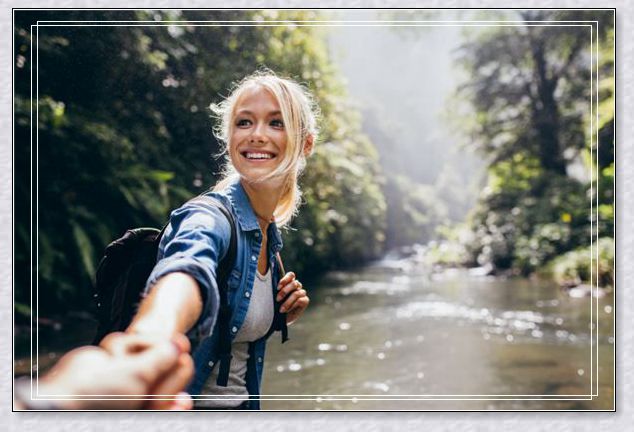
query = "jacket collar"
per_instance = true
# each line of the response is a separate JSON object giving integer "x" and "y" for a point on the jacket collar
{"x": 246, "y": 217}
{"x": 239, "y": 200}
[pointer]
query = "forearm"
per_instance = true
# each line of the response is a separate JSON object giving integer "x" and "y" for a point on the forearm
{"x": 173, "y": 306}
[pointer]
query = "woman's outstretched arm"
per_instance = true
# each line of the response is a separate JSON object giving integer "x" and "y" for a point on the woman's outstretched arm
{"x": 181, "y": 292}
{"x": 172, "y": 306}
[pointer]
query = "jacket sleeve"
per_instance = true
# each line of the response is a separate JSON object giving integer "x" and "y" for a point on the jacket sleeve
{"x": 194, "y": 242}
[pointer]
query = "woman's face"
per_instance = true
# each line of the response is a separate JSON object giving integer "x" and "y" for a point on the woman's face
{"x": 258, "y": 140}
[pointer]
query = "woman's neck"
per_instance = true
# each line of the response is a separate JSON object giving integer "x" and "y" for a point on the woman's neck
{"x": 264, "y": 198}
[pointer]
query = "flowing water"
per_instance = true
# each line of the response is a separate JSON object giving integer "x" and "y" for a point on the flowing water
{"x": 452, "y": 340}
{"x": 413, "y": 339}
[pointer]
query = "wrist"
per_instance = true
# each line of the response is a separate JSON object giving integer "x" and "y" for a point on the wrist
{"x": 154, "y": 325}
{"x": 173, "y": 306}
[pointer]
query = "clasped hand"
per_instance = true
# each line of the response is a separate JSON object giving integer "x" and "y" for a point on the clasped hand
{"x": 128, "y": 371}
{"x": 294, "y": 295}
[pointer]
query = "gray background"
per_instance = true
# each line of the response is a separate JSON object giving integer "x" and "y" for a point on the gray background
{"x": 337, "y": 421}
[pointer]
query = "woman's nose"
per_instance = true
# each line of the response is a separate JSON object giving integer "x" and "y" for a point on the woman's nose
{"x": 258, "y": 133}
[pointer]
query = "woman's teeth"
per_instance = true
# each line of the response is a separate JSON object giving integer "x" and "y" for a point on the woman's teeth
{"x": 259, "y": 156}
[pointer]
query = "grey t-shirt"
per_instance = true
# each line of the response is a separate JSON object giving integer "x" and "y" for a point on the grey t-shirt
{"x": 256, "y": 324}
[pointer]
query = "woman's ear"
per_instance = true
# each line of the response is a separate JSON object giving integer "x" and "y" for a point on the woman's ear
{"x": 309, "y": 145}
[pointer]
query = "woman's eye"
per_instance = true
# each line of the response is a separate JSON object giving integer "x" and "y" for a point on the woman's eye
{"x": 243, "y": 122}
{"x": 277, "y": 123}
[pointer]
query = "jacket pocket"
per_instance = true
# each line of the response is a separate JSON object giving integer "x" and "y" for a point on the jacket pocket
{"x": 235, "y": 280}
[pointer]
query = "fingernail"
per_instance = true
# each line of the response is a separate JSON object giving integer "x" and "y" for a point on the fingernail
{"x": 282, "y": 309}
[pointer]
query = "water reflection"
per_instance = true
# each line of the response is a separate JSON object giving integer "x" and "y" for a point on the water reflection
{"x": 394, "y": 329}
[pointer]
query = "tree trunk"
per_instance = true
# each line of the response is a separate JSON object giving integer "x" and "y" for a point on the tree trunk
{"x": 546, "y": 114}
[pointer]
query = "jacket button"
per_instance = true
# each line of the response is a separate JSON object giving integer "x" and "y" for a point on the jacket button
{"x": 211, "y": 364}
{"x": 254, "y": 258}
{"x": 247, "y": 294}
{"x": 259, "y": 359}
{"x": 234, "y": 329}
{"x": 257, "y": 234}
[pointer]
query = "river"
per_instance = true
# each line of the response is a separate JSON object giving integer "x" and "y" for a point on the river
{"x": 394, "y": 332}
{"x": 413, "y": 339}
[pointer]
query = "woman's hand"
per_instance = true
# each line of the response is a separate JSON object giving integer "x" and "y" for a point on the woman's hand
{"x": 296, "y": 301}
{"x": 128, "y": 346}
{"x": 123, "y": 374}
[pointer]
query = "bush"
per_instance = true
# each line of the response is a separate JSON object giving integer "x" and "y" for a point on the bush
{"x": 574, "y": 267}
{"x": 544, "y": 243}
{"x": 524, "y": 229}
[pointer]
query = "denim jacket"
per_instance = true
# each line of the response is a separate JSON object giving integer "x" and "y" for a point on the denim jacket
{"x": 194, "y": 242}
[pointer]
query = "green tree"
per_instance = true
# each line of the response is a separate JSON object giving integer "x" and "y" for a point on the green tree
{"x": 604, "y": 159}
{"x": 528, "y": 89}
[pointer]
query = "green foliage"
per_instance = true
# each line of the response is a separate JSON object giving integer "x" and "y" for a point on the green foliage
{"x": 575, "y": 267}
{"x": 124, "y": 136}
{"x": 605, "y": 209}
{"x": 513, "y": 176}
{"x": 539, "y": 246}
{"x": 523, "y": 231}
{"x": 343, "y": 221}
{"x": 528, "y": 89}
{"x": 413, "y": 211}
{"x": 446, "y": 254}
{"x": 604, "y": 157}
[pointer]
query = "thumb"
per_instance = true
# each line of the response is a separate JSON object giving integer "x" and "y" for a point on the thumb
{"x": 156, "y": 361}
{"x": 171, "y": 384}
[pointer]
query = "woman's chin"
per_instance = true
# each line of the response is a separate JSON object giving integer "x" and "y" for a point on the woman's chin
{"x": 261, "y": 178}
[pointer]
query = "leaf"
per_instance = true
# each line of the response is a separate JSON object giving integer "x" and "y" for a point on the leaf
{"x": 84, "y": 248}
{"x": 22, "y": 309}
{"x": 160, "y": 176}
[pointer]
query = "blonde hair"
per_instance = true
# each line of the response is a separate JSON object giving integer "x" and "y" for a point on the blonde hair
{"x": 299, "y": 114}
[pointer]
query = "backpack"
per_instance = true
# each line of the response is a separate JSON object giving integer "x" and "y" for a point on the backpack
{"x": 125, "y": 268}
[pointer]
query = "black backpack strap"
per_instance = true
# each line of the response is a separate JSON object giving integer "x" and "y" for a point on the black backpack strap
{"x": 224, "y": 311}
{"x": 281, "y": 324}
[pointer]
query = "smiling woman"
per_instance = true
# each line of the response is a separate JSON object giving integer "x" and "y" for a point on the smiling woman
{"x": 258, "y": 137}
{"x": 273, "y": 117}
{"x": 269, "y": 126}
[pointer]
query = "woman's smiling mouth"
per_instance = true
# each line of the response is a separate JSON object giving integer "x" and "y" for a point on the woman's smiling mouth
{"x": 258, "y": 155}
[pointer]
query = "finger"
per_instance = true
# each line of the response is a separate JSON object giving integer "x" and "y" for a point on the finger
{"x": 182, "y": 342}
{"x": 286, "y": 279}
{"x": 298, "y": 309}
{"x": 300, "y": 304}
{"x": 112, "y": 342}
{"x": 288, "y": 288}
{"x": 153, "y": 364}
{"x": 288, "y": 304}
{"x": 119, "y": 343}
{"x": 182, "y": 402}
{"x": 172, "y": 384}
